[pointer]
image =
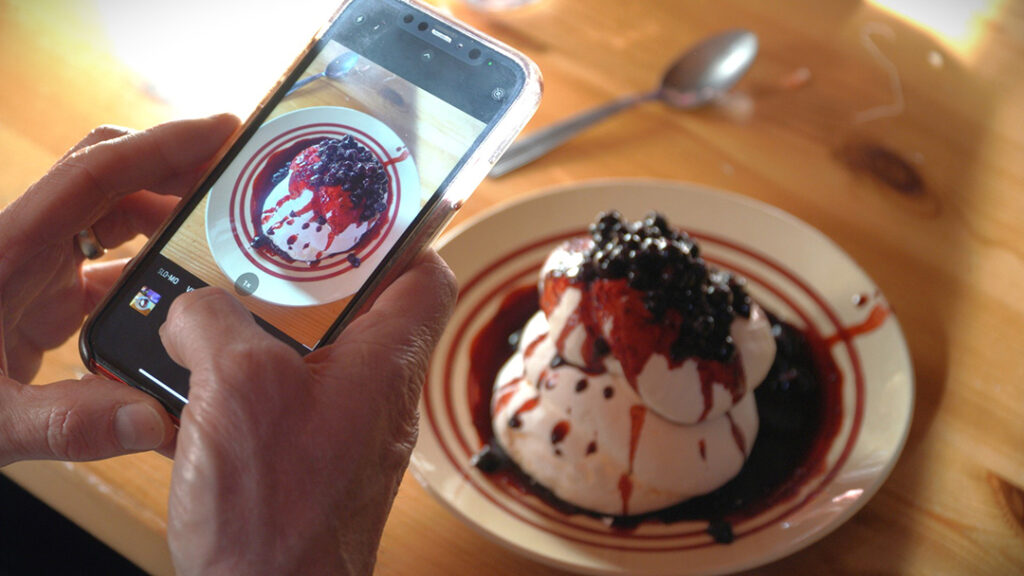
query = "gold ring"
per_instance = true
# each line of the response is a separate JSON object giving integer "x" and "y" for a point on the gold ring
{"x": 89, "y": 244}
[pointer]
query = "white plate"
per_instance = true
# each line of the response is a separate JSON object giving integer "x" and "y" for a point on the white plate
{"x": 230, "y": 228}
{"x": 791, "y": 268}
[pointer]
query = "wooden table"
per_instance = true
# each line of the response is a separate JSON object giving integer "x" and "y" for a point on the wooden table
{"x": 900, "y": 141}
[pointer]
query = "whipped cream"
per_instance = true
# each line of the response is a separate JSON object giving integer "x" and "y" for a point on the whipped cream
{"x": 299, "y": 232}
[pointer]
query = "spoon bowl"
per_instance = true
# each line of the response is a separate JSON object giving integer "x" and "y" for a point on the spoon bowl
{"x": 708, "y": 69}
{"x": 700, "y": 74}
{"x": 341, "y": 65}
{"x": 335, "y": 69}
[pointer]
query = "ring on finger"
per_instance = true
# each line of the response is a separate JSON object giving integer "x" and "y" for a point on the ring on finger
{"x": 89, "y": 245}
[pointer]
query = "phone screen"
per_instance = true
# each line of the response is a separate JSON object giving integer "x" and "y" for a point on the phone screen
{"x": 362, "y": 139}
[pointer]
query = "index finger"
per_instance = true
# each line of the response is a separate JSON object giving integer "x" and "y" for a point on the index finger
{"x": 82, "y": 187}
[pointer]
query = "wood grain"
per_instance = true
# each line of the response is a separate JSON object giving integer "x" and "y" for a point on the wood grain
{"x": 924, "y": 195}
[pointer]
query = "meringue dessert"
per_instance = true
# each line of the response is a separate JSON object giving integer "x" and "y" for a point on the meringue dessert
{"x": 329, "y": 197}
{"x": 631, "y": 389}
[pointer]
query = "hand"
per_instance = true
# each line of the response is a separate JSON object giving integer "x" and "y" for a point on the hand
{"x": 121, "y": 184}
{"x": 289, "y": 465}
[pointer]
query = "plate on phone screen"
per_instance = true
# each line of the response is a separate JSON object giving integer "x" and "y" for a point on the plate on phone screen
{"x": 280, "y": 217}
{"x": 792, "y": 269}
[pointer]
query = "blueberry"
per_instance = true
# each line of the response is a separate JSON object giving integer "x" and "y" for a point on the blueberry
{"x": 279, "y": 176}
{"x": 487, "y": 460}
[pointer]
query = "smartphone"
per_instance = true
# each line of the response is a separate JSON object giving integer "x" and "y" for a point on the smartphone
{"x": 378, "y": 132}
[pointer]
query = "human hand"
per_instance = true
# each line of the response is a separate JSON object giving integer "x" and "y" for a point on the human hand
{"x": 121, "y": 184}
{"x": 289, "y": 465}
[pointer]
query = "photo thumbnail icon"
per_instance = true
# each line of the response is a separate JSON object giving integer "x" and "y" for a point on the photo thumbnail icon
{"x": 145, "y": 300}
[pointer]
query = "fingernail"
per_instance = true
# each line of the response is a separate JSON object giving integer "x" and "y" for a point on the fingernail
{"x": 138, "y": 427}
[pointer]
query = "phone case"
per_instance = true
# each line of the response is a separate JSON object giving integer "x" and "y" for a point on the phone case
{"x": 475, "y": 170}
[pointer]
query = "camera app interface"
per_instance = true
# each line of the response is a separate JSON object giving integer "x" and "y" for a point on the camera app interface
{"x": 312, "y": 204}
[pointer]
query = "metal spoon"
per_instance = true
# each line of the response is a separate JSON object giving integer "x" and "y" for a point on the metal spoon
{"x": 704, "y": 71}
{"x": 335, "y": 69}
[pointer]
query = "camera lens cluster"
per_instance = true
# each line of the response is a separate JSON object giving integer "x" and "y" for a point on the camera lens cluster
{"x": 424, "y": 26}
{"x": 453, "y": 43}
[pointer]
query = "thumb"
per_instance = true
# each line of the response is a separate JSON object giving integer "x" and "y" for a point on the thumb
{"x": 86, "y": 419}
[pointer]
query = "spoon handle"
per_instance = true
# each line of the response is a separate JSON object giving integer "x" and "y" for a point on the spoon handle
{"x": 303, "y": 82}
{"x": 541, "y": 142}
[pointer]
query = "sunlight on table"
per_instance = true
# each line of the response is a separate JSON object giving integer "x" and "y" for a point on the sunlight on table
{"x": 204, "y": 57}
{"x": 957, "y": 24}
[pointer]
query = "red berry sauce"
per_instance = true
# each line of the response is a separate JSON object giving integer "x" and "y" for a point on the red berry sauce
{"x": 799, "y": 406}
{"x": 350, "y": 186}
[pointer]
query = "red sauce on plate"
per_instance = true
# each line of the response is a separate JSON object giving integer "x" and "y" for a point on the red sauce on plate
{"x": 331, "y": 204}
{"x": 799, "y": 405}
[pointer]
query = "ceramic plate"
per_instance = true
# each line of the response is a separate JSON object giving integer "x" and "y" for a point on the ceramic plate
{"x": 791, "y": 269}
{"x": 231, "y": 226}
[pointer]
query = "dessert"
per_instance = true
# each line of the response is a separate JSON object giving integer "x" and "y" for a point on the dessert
{"x": 631, "y": 389}
{"x": 322, "y": 198}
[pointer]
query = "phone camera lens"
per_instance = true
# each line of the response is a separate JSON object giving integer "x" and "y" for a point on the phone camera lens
{"x": 408, "y": 19}
{"x": 427, "y": 56}
{"x": 423, "y": 26}
{"x": 474, "y": 53}
{"x": 498, "y": 94}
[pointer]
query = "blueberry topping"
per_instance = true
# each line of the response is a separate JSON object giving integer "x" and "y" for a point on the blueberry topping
{"x": 665, "y": 264}
{"x": 346, "y": 163}
{"x": 278, "y": 176}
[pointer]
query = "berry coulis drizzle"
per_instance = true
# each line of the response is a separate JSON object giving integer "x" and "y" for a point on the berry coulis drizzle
{"x": 799, "y": 405}
{"x": 267, "y": 178}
